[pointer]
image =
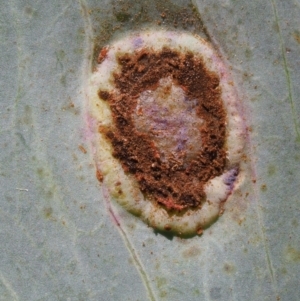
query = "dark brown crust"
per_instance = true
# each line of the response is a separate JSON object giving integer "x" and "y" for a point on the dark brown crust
{"x": 170, "y": 184}
{"x": 103, "y": 94}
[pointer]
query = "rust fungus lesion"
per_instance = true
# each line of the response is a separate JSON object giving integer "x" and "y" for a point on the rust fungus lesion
{"x": 175, "y": 183}
{"x": 102, "y": 54}
{"x": 167, "y": 131}
{"x": 99, "y": 175}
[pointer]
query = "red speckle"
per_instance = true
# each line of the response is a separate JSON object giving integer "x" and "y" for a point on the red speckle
{"x": 82, "y": 149}
{"x": 102, "y": 54}
{"x": 200, "y": 231}
{"x": 168, "y": 228}
{"x": 170, "y": 204}
{"x": 99, "y": 176}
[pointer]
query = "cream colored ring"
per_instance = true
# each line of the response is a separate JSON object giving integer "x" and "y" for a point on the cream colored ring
{"x": 218, "y": 189}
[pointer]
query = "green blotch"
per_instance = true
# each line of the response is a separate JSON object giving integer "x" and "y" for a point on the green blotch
{"x": 248, "y": 53}
{"x": 48, "y": 212}
{"x": 276, "y": 27}
{"x": 80, "y": 36}
{"x": 161, "y": 282}
{"x": 197, "y": 292}
{"x": 27, "y": 119}
{"x": 194, "y": 9}
{"x": 272, "y": 170}
{"x": 295, "y": 223}
{"x": 79, "y": 51}
{"x": 40, "y": 172}
{"x": 22, "y": 139}
{"x": 163, "y": 294}
{"x": 30, "y": 12}
{"x": 60, "y": 55}
{"x": 283, "y": 271}
{"x": 63, "y": 79}
{"x": 49, "y": 194}
{"x": 229, "y": 268}
{"x": 293, "y": 254}
{"x": 122, "y": 16}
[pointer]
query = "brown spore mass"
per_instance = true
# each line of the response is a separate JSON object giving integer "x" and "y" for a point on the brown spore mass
{"x": 171, "y": 184}
{"x": 99, "y": 176}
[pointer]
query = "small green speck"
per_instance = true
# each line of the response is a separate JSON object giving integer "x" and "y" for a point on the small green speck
{"x": 27, "y": 119}
{"x": 122, "y": 16}
{"x": 295, "y": 223}
{"x": 248, "y": 53}
{"x": 163, "y": 294}
{"x": 292, "y": 254}
{"x": 229, "y": 268}
{"x": 22, "y": 139}
{"x": 61, "y": 54}
{"x": 80, "y": 37}
{"x": 30, "y": 12}
{"x": 271, "y": 170}
{"x": 276, "y": 27}
{"x": 48, "y": 212}
{"x": 63, "y": 80}
{"x": 197, "y": 292}
{"x": 49, "y": 194}
{"x": 40, "y": 172}
{"x": 161, "y": 282}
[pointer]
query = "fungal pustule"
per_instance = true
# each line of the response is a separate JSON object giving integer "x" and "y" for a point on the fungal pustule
{"x": 168, "y": 134}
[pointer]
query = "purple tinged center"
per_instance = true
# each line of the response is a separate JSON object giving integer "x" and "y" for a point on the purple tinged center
{"x": 169, "y": 117}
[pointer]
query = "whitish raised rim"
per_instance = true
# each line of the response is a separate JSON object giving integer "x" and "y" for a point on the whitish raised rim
{"x": 217, "y": 189}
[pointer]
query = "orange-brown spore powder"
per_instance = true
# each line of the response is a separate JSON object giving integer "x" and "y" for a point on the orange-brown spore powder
{"x": 171, "y": 184}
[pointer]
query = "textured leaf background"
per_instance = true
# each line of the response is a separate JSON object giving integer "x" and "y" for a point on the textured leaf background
{"x": 58, "y": 238}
